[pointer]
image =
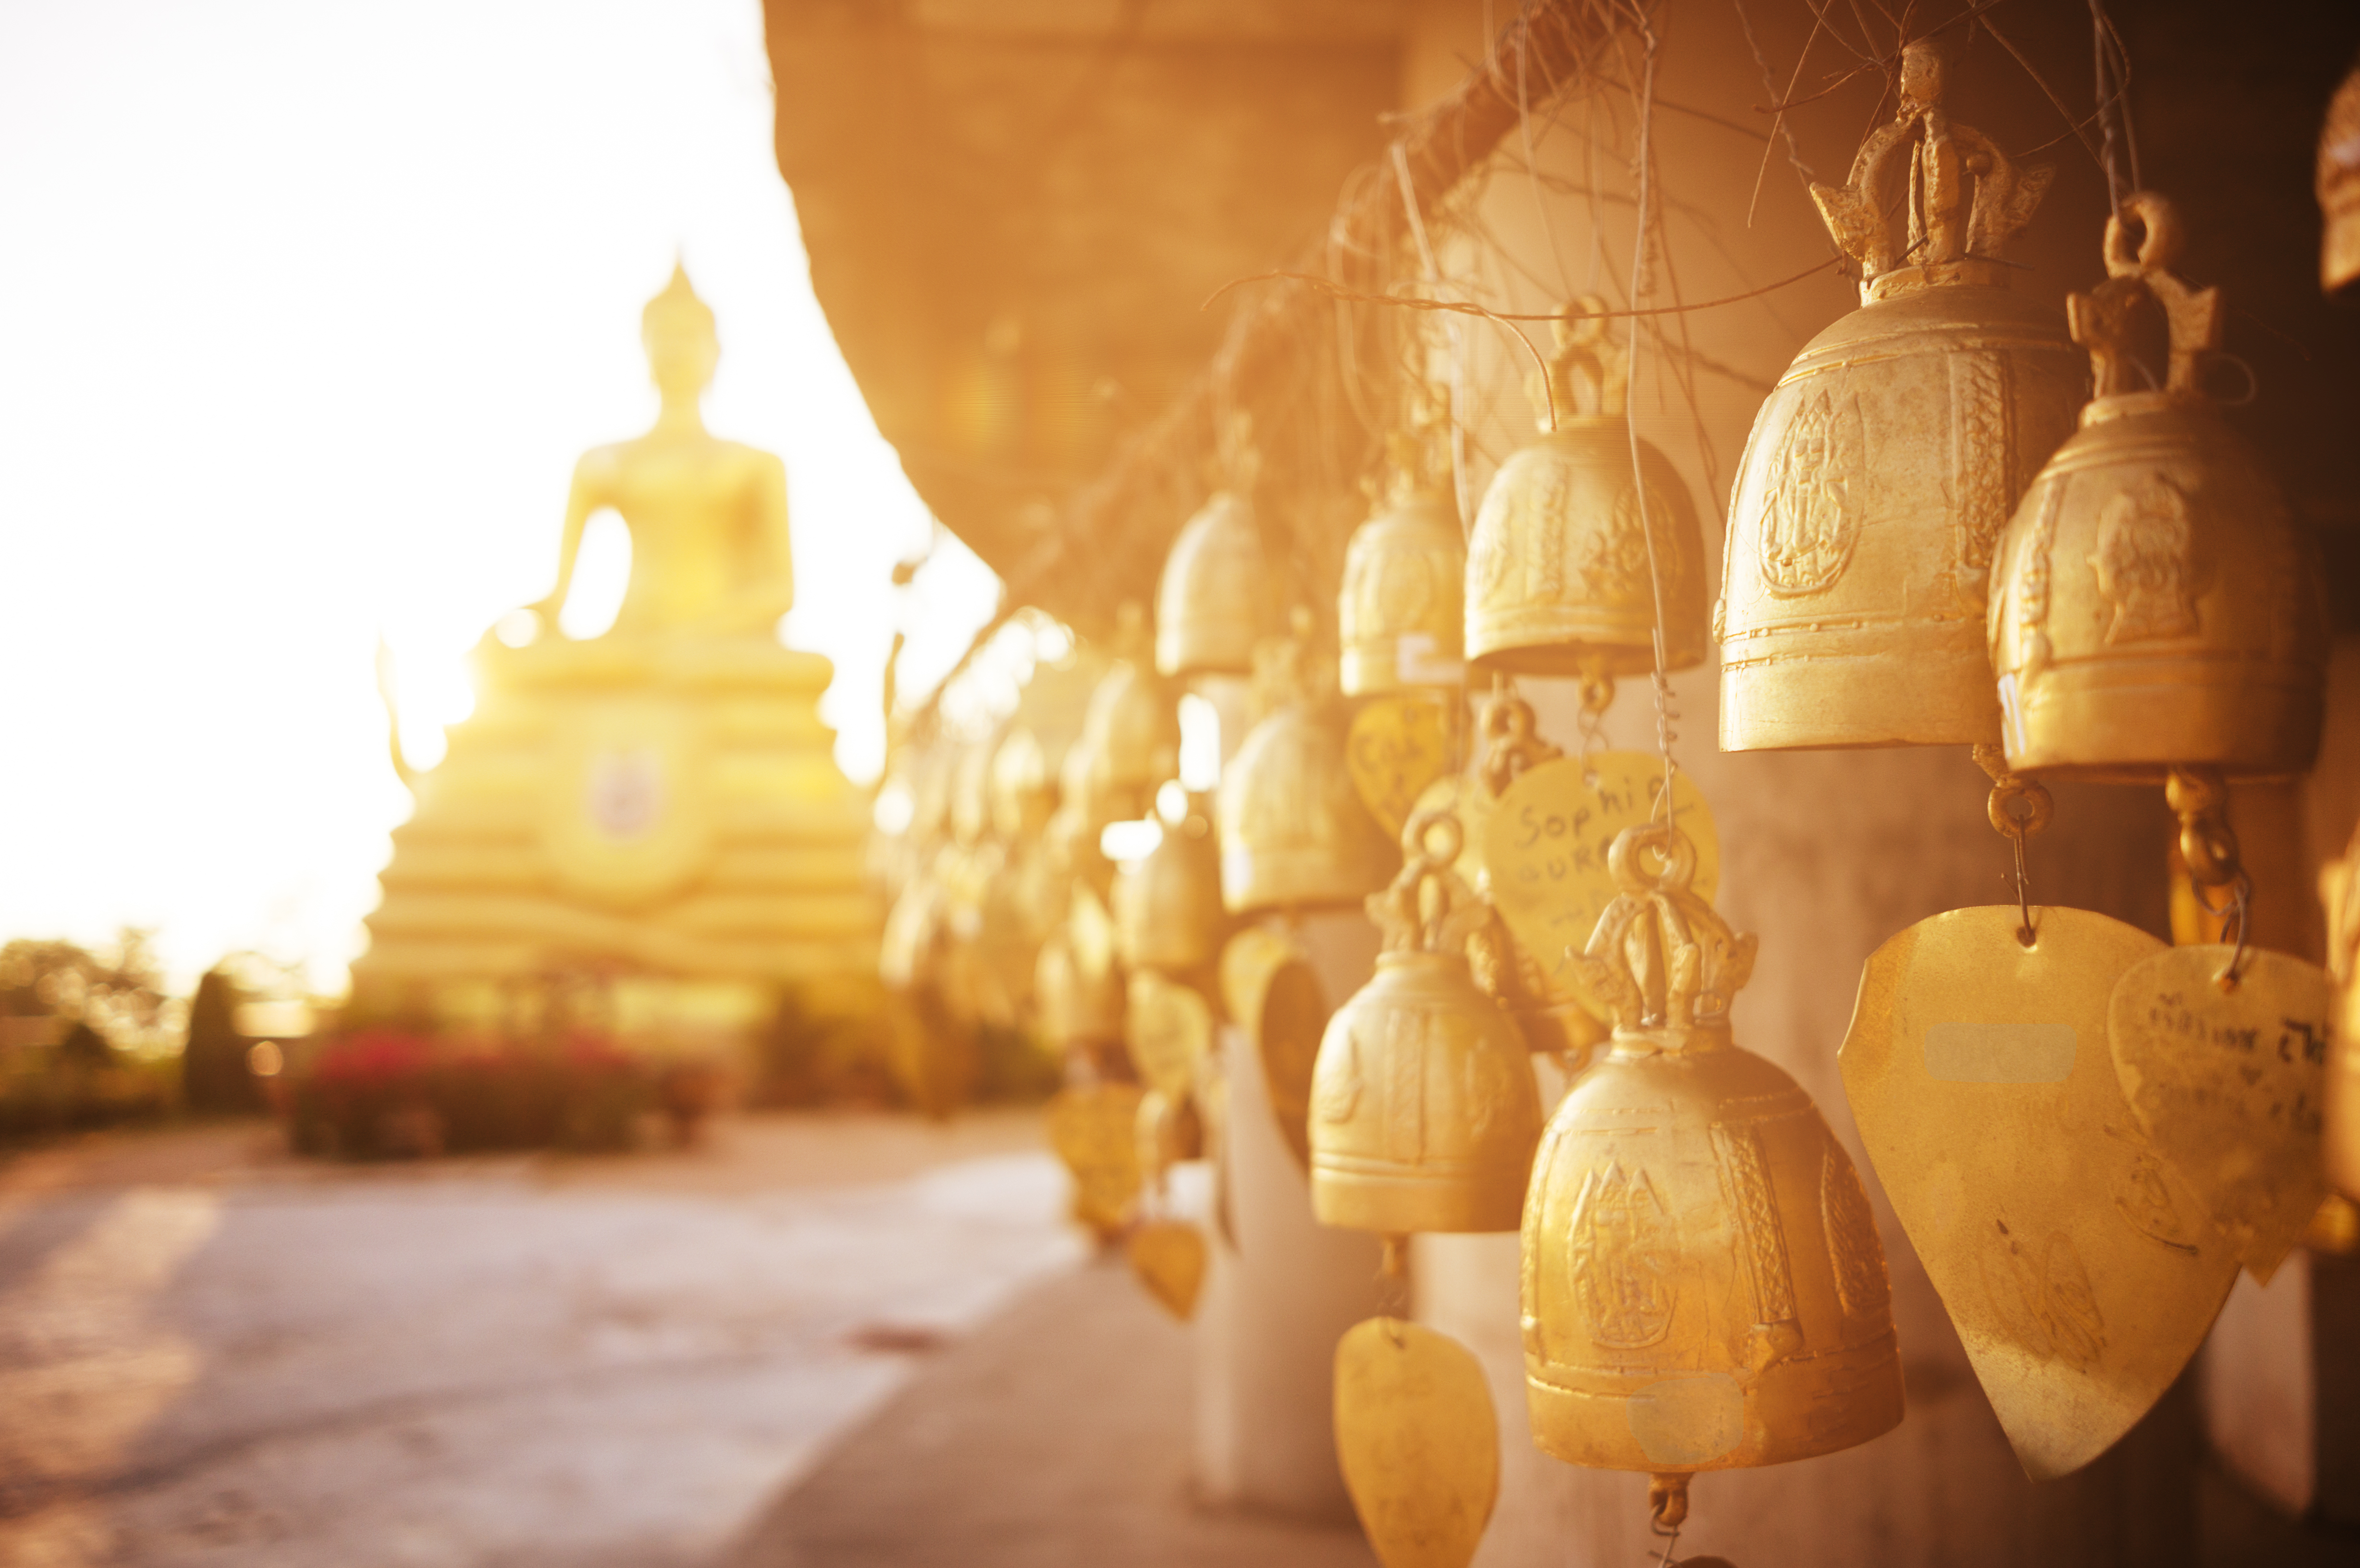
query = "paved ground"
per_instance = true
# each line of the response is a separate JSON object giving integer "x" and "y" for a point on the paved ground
{"x": 1056, "y": 1436}
{"x": 211, "y": 1355}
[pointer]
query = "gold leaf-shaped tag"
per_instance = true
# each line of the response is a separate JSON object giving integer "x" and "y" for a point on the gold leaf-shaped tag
{"x": 1418, "y": 1441}
{"x": 1269, "y": 987}
{"x": 2079, "y": 1269}
{"x": 1092, "y": 1128}
{"x": 1397, "y": 747}
{"x": 2230, "y": 1086}
{"x": 1168, "y": 1256}
{"x": 1168, "y": 1029}
{"x": 1544, "y": 847}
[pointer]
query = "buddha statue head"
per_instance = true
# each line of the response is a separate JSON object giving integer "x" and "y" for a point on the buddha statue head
{"x": 677, "y": 329}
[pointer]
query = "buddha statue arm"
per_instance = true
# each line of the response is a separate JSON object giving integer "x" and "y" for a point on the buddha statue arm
{"x": 767, "y": 564}
{"x": 587, "y": 495}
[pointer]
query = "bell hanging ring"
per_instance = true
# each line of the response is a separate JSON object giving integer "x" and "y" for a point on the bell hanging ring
{"x": 1399, "y": 620}
{"x": 1293, "y": 830}
{"x": 1424, "y": 1109}
{"x": 1212, "y": 605}
{"x": 1885, "y": 463}
{"x": 1703, "y": 1284}
{"x": 2153, "y": 605}
{"x": 1568, "y": 547}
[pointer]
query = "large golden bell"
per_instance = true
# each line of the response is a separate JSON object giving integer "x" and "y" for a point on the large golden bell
{"x": 1213, "y": 604}
{"x": 1294, "y": 831}
{"x": 1885, "y": 463}
{"x": 1703, "y": 1285}
{"x": 2153, "y": 607}
{"x": 1167, "y": 907}
{"x": 1568, "y": 548}
{"x": 2339, "y": 191}
{"x": 1399, "y": 621}
{"x": 1424, "y": 1111}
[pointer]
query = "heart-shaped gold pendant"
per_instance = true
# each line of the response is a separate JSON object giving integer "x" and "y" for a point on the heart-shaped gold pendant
{"x": 1168, "y": 1256}
{"x": 1092, "y": 1128}
{"x": 2080, "y": 1270}
{"x": 2230, "y": 1085}
{"x": 1418, "y": 1441}
{"x": 1168, "y": 1029}
{"x": 1544, "y": 844}
{"x": 1397, "y": 746}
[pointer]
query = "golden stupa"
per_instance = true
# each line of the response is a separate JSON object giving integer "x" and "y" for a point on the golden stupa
{"x": 657, "y": 807}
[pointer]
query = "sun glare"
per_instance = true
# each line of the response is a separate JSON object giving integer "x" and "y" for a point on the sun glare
{"x": 308, "y": 310}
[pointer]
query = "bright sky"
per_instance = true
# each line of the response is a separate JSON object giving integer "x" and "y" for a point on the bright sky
{"x": 305, "y": 312}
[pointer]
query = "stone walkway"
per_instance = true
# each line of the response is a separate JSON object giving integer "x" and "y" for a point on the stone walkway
{"x": 211, "y": 1355}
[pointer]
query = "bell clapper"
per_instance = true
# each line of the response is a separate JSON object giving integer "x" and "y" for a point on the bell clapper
{"x": 2200, "y": 798}
{"x": 1597, "y": 695}
{"x": 2019, "y": 809}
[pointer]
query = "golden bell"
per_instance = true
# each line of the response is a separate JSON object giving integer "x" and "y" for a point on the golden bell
{"x": 1424, "y": 1111}
{"x": 2153, "y": 605}
{"x": 1167, "y": 907}
{"x": 1293, "y": 830}
{"x": 2339, "y": 191}
{"x": 1703, "y": 1285}
{"x": 1568, "y": 548}
{"x": 1130, "y": 738}
{"x": 1399, "y": 621}
{"x": 1885, "y": 463}
{"x": 1212, "y": 605}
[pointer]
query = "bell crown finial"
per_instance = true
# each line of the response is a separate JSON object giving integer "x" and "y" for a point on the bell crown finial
{"x": 1948, "y": 224}
{"x": 1583, "y": 352}
{"x": 1662, "y": 960}
{"x": 1428, "y": 908}
{"x": 2103, "y": 320}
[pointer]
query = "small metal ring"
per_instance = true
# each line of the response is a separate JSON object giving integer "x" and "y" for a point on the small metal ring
{"x": 2038, "y": 807}
{"x": 1679, "y": 858}
{"x": 2156, "y": 250}
{"x": 1420, "y": 828}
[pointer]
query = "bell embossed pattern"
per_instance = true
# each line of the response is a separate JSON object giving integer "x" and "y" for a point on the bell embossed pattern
{"x": 1424, "y": 1109}
{"x": 1703, "y": 1286}
{"x": 2153, "y": 605}
{"x": 1885, "y": 463}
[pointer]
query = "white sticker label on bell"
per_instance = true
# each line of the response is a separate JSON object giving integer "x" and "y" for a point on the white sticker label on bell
{"x": 1999, "y": 1053}
{"x": 1415, "y": 659}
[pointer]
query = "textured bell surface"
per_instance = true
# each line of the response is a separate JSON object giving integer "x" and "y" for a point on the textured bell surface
{"x": 1399, "y": 620}
{"x": 2154, "y": 605}
{"x": 1703, "y": 1287}
{"x": 1130, "y": 739}
{"x": 2339, "y": 192}
{"x": 1167, "y": 907}
{"x": 1294, "y": 831}
{"x": 1424, "y": 1109}
{"x": 1211, "y": 605}
{"x": 1884, "y": 465}
{"x": 1560, "y": 579}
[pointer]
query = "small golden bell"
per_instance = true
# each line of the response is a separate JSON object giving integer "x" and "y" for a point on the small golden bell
{"x": 1424, "y": 1111}
{"x": 1292, "y": 831}
{"x": 2153, "y": 607}
{"x": 2339, "y": 191}
{"x": 1212, "y": 605}
{"x": 1168, "y": 907}
{"x": 1703, "y": 1285}
{"x": 1568, "y": 547}
{"x": 1130, "y": 739}
{"x": 1399, "y": 618}
{"x": 1886, "y": 460}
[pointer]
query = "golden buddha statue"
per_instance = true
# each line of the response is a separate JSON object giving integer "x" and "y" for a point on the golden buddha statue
{"x": 659, "y": 804}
